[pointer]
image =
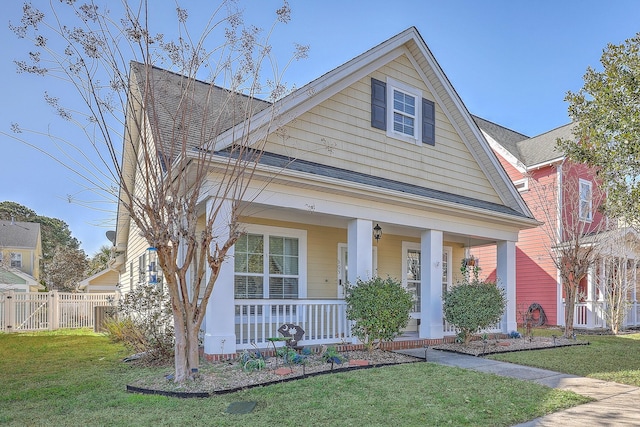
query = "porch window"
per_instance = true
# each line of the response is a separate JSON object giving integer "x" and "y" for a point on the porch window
{"x": 249, "y": 266}
{"x": 283, "y": 267}
{"x": 269, "y": 264}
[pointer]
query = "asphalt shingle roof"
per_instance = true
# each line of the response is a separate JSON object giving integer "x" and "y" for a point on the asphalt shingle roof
{"x": 204, "y": 109}
{"x": 529, "y": 151}
{"x": 15, "y": 234}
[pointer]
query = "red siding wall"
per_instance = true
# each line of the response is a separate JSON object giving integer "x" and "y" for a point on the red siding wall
{"x": 535, "y": 270}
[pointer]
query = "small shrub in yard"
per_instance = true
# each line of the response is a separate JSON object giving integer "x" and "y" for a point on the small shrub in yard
{"x": 380, "y": 309}
{"x": 143, "y": 322}
{"x": 473, "y": 305}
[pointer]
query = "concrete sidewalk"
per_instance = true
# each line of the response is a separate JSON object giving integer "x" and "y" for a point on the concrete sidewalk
{"x": 615, "y": 405}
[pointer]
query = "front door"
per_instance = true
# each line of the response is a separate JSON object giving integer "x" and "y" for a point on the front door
{"x": 411, "y": 275}
{"x": 343, "y": 267}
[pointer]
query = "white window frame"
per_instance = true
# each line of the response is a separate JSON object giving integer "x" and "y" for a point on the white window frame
{"x": 522, "y": 185}
{"x": 585, "y": 216}
{"x": 267, "y": 231}
{"x": 395, "y": 85}
{"x": 16, "y": 260}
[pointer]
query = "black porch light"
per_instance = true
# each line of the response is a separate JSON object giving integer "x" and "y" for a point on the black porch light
{"x": 377, "y": 232}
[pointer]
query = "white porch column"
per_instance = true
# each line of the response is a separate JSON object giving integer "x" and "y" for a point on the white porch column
{"x": 506, "y": 276}
{"x": 560, "y": 300}
{"x": 220, "y": 336}
{"x": 360, "y": 249}
{"x": 600, "y": 302}
{"x": 431, "y": 324}
{"x": 634, "y": 295}
{"x": 591, "y": 305}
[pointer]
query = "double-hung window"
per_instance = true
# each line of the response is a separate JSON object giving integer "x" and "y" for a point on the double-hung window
{"x": 585, "y": 204}
{"x": 16, "y": 260}
{"x": 270, "y": 262}
{"x": 402, "y": 112}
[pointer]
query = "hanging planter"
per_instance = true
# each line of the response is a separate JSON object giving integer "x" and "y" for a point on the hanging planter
{"x": 469, "y": 262}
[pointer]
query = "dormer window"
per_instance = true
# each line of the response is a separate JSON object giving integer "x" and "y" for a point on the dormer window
{"x": 404, "y": 113}
{"x": 412, "y": 117}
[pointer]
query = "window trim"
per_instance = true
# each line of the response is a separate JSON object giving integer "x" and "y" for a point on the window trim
{"x": 395, "y": 85}
{"x": 521, "y": 185}
{"x": 15, "y": 257}
{"x": 581, "y": 215}
{"x": 301, "y": 235}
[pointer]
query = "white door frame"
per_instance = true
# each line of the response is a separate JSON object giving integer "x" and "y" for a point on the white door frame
{"x": 342, "y": 267}
{"x": 447, "y": 273}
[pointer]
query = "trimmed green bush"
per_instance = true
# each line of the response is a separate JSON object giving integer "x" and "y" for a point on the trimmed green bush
{"x": 380, "y": 309}
{"x": 473, "y": 305}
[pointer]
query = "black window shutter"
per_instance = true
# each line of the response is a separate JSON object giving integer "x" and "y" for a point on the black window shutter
{"x": 378, "y": 104}
{"x": 428, "y": 122}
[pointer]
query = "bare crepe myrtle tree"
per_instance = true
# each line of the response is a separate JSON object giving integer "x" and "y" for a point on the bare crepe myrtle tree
{"x": 572, "y": 223}
{"x": 616, "y": 275}
{"x": 173, "y": 97}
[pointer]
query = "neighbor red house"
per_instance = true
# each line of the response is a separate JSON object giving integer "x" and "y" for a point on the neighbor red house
{"x": 564, "y": 196}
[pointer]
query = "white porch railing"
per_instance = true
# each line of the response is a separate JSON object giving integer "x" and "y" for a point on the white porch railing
{"x": 324, "y": 321}
{"x": 37, "y": 311}
{"x": 591, "y": 315}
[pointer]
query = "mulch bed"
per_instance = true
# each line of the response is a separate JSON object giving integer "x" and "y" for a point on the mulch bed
{"x": 507, "y": 345}
{"x": 228, "y": 376}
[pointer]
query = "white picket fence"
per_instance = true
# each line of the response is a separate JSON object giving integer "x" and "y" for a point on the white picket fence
{"x": 47, "y": 311}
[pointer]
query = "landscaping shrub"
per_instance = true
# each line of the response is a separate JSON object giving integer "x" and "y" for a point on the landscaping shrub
{"x": 473, "y": 305}
{"x": 380, "y": 309}
{"x": 143, "y": 322}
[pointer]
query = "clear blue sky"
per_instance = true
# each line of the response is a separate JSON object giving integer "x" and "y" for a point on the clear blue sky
{"x": 510, "y": 61}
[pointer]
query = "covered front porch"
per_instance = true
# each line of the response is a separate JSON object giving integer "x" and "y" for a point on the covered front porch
{"x": 292, "y": 267}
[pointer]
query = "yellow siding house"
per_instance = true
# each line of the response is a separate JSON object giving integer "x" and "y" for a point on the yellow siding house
{"x": 381, "y": 144}
{"x": 20, "y": 255}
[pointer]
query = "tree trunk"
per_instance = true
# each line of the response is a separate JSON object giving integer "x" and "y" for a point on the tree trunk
{"x": 181, "y": 357}
{"x": 569, "y": 310}
{"x": 187, "y": 350}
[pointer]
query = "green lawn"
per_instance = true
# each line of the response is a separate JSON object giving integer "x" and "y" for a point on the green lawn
{"x": 607, "y": 357}
{"x": 77, "y": 379}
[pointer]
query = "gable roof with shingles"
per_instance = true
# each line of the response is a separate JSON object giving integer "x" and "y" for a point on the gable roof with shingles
{"x": 408, "y": 42}
{"x": 209, "y": 109}
{"x": 542, "y": 149}
{"x": 508, "y": 138}
{"x": 16, "y": 234}
{"x": 298, "y": 102}
{"x": 530, "y": 151}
